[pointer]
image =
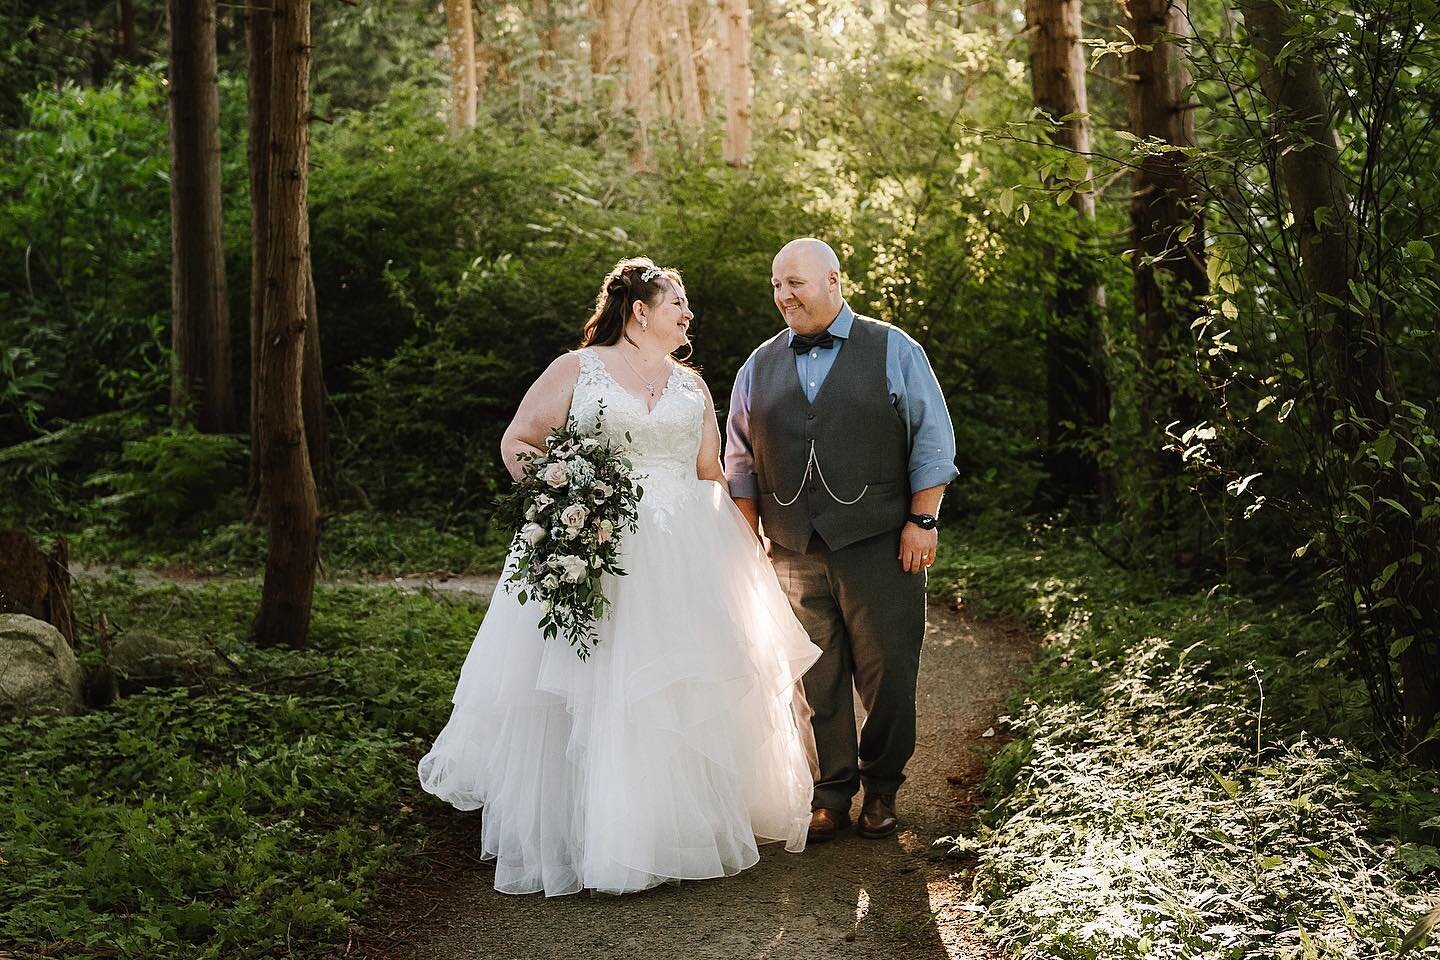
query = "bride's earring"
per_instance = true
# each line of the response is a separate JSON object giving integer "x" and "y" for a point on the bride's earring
{"x": 643, "y": 325}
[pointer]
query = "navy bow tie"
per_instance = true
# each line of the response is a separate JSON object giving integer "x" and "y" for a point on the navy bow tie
{"x": 800, "y": 343}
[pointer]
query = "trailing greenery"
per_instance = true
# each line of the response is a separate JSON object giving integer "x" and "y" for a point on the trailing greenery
{"x": 246, "y": 815}
{"x": 1184, "y": 781}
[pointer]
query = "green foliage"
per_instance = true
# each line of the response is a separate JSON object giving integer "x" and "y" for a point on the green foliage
{"x": 1324, "y": 413}
{"x": 235, "y": 820}
{"x": 1175, "y": 789}
{"x": 172, "y": 477}
{"x": 85, "y": 249}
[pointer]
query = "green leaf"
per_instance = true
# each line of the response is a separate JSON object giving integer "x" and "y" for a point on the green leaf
{"x": 1400, "y": 645}
{"x": 1384, "y": 446}
{"x": 1231, "y": 787}
{"x": 1394, "y": 503}
{"x": 1420, "y": 250}
{"x": 1421, "y": 931}
{"x": 1006, "y": 201}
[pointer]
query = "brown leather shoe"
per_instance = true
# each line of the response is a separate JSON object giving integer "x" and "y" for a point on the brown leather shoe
{"x": 877, "y": 816}
{"x": 824, "y": 824}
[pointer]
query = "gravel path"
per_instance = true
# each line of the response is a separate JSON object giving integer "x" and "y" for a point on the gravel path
{"x": 851, "y": 898}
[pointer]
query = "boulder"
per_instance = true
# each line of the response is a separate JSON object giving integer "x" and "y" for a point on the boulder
{"x": 142, "y": 659}
{"x": 39, "y": 674}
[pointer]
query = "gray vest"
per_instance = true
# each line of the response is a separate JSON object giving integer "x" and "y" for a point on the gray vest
{"x": 838, "y": 467}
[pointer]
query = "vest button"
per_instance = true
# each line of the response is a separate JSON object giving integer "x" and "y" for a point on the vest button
{"x": 810, "y": 416}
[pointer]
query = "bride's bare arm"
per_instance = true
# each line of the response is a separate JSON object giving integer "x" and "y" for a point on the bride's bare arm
{"x": 545, "y": 407}
{"x": 707, "y": 465}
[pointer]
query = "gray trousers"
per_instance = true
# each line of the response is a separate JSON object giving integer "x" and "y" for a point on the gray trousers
{"x": 867, "y": 615}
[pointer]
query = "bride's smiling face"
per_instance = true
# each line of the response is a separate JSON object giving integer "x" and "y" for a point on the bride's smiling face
{"x": 667, "y": 321}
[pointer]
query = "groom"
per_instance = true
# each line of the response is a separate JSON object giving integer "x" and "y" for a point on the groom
{"x": 838, "y": 440}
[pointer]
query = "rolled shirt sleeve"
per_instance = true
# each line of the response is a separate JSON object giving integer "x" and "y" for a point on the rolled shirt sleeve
{"x": 921, "y": 403}
{"x": 739, "y": 451}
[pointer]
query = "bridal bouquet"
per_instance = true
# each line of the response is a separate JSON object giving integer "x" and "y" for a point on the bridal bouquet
{"x": 569, "y": 511}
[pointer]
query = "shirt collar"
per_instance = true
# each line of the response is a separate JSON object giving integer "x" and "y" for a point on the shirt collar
{"x": 839, "y": 327}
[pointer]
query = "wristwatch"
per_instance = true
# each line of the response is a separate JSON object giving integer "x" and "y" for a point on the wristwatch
{"x": 924, "y": 521}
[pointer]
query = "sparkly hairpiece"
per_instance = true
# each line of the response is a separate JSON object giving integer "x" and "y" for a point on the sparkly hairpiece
{"x": 650, "y": 274}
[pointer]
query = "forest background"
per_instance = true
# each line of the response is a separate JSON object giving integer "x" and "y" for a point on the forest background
{"x": 1174, "y": 266}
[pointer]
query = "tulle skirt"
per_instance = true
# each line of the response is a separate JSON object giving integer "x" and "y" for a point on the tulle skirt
{"x": 667, "y": 754}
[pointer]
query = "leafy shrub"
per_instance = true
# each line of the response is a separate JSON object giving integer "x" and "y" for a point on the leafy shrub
{"x": 1176, "y": 788}
{"x": 173, "y": 477}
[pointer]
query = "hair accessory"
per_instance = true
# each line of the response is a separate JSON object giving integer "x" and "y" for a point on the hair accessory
{"x": 650, "y": 274}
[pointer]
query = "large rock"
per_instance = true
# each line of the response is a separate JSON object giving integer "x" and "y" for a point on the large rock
{"x": 39, "y": 674}
{"x": 142, "y": 659}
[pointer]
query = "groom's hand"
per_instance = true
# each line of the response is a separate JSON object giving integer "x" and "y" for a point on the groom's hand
{"x": 917, "y": 547}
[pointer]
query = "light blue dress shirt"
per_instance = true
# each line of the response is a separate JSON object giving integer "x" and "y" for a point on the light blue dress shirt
{"x": 913, "y": 390}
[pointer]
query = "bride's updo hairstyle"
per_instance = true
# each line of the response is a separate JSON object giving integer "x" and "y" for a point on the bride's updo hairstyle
{"x": 625, "y": 285}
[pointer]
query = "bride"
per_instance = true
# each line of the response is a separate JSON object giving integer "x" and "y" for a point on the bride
{"x": 675, "y": 747}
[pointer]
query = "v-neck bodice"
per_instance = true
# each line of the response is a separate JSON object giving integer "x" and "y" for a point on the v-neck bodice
{"x": 664, "y": 439}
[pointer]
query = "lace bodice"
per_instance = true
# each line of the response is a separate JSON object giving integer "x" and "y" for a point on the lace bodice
{"x": 664, "y": 442}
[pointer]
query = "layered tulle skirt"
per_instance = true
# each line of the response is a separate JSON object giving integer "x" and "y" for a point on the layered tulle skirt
{"x": 672, "y": 750}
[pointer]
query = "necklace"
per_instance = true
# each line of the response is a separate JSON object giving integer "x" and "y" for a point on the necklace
{"x": 649, "y": 384}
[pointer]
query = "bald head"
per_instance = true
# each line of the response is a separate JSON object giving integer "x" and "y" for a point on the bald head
{"x": 806, "y": 278}
{"x": 809, "y": 251}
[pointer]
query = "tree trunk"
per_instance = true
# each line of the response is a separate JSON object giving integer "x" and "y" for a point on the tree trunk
{"x": 460, "y": 34}
{"x": 1358, "y": 367}
{"x": 599, "y": 39}
{"x": 259, "y": 27}
{"x": 640, "y": 85}
{"x": 200, "y": 389}
{"x": 681, "y": 44}
{"x": 259, "y": 51}
{"x": 294, "y": 514}
{"x": 738, "y": 80}
{"x": 1077, "y": 395}
{"x": 125, "y": 31}
{"x": 1167, "y": 231}
{"x": 35, "y": 583}
{"x": 312, "y": 382}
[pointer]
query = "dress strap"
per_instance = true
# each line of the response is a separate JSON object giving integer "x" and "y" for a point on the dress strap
{"x": 592, "y": 368}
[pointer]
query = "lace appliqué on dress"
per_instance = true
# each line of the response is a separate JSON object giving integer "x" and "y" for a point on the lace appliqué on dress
{"x": 664, "y": 440}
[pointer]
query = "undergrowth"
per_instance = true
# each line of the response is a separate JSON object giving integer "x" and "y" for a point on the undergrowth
{"x": 239, "y": 818}
{"x": 1187, "y": 778}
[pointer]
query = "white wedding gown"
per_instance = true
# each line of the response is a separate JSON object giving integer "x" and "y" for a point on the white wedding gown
{"x": 669, "y": 752}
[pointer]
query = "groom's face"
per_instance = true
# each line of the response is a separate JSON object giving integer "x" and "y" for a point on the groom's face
{"x": 806, "y": 294}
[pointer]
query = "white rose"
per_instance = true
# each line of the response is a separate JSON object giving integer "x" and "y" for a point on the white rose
{"x": 542, "y": 502}
{"x": 550, "y": 582}
{"x": 533, "y": 533}
{"x": 603, "y": 531}
{"x": 555, "y": 474}
{"x": 574, "y": 567}
{"x": 574, "y": 515}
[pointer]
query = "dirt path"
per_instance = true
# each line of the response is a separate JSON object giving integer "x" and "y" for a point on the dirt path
{"x": 851, "y": 898}
{"x": 481, "y": 583}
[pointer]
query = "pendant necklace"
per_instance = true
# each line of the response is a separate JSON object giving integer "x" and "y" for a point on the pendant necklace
{"x": 649, "y": 385}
